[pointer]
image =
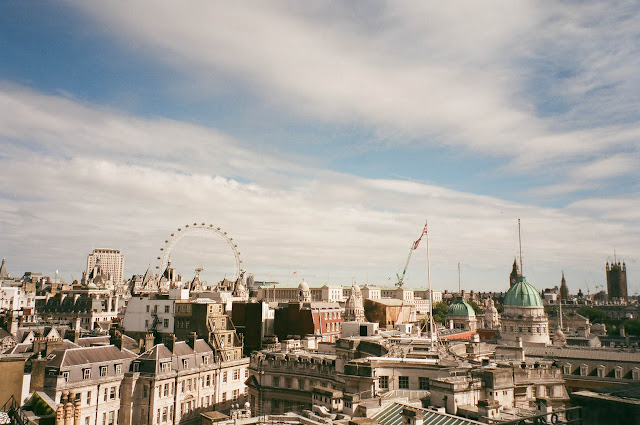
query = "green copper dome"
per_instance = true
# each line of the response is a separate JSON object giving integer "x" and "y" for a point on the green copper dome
{"x": 460, "y": 308}
{"x": 522, "y": 294}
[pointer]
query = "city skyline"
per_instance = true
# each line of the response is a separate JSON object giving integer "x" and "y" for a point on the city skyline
{"x": 322, "y": 136}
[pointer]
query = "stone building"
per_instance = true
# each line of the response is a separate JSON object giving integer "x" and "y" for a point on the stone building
{"x": 354, "y": 307}
{"x": 524, "y": 316}
{"x": 176, "y": 381}
{"x": 461, "y": 315}
{"x": 94, "y": 376}
{"x": 616, "y": 281}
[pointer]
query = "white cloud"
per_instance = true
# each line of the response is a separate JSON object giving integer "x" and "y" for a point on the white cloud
{"x": 75, "y": 190}
{"x": 429, "y": 73}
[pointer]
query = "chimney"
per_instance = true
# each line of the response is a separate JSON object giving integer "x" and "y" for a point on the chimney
{"x": 115, "y": 338}
{"x": 191, "y": 340}
{"x": 170, "y": 342}
{"x": 149, "y": 342}
{"x": 72, "y": 335}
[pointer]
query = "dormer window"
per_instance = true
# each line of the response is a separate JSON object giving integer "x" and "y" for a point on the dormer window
{"x": 185, "y": 363}
{"x": 103, "y": 371}
{"x": 86, "y": 373}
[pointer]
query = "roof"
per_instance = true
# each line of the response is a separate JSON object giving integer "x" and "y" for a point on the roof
{"x": 460, "y": 308}
{"x": 86, "y": 355}
{"x": 393, "y": 415}
{"x": 522, "y": 294}
{"x": 569, "y": 353}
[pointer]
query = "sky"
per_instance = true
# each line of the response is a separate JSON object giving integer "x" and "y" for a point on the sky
{"x": 321, "y": 136}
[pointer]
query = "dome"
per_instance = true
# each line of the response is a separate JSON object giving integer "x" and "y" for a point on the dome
{"x": 303, "y": 286}
{"x": 522, "y": 294}
{"x": 460, "y": 308}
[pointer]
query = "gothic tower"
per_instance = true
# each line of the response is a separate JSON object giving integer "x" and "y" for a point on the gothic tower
{"x": 616, "y": 281}
{"x": 515, "y": 273}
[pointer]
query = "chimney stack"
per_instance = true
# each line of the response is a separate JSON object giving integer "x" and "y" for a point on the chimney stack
{"x": 170, "y": 342}
{"x": 191, "y": 340}
{"x": 149, "y": 342}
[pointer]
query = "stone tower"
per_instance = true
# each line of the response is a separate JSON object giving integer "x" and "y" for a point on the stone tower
{"x": 354, "y": 307}
{"x": 616, "y": 281}
{"x": 515, "y": 273}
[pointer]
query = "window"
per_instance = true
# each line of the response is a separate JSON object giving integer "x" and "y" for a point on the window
{"x": 65, "y": 376}
{"x": 636, "y": 373}
{"x": 166, "y": 390}
{"x": 86, "y": 420}
{"x": 246, "y": 373}
{"x": 88, "y": 397}
{"x": 171, "y": 412}
{"x": 86, "y": 373}
{"x": 136, "y": 367}
{"x": 276, "y": 381}
{"x": 618, "y": 372}
{"x": 166, "y": 323}
{"x": 584, "y": 370}
{"x": 224, "y": 376}
{"x": 145, "y": 391}
{"x": 205, "y": 359}
{"x": 235, "y": 394}
{"x": 601, "y": 371}
{"x": 236, "y": 374}
{"x": 383, "y": 382}
{"x": 103, "y": 371}
{"x": 118, "y": 369}
{"x": 207, "y": 381}
{"x": 423, "y": 383}
{"x": 165, "y": 367}
{"x": 166, "y": 308}
{"x": 403, "y": 382}
{"x": 164, "y": 410}
{"x": 146, "y": 324}
{"x": 78, "y": 396}
{"x": 112, "y": 393}
{"x": 188, "y": 385}
{"x": 147, "y": 309}
{"x": 566, "y": 369}
{"x": 185, "y": 363}
{"x": 224, "y": 397}
{"x": 106, "y": 394}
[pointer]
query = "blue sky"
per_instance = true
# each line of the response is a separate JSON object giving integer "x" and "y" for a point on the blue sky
{"x": 323, "y": 135}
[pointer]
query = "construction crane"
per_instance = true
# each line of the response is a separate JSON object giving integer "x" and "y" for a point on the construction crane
{"x": 400, "y": 278}
{"x": 414, "y": 246}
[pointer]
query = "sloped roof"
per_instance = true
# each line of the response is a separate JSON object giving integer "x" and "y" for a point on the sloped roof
{"x": 392, "y": 415}
{"x": 86, "y": 355}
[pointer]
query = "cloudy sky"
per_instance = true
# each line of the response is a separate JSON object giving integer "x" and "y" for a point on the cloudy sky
{"x": 320, "y": 136}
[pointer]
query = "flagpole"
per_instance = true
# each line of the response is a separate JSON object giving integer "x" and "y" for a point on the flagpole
{"x": 432, "y": 334}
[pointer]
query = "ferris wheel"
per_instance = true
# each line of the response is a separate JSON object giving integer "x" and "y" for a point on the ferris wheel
{"x": 202, "y": 228}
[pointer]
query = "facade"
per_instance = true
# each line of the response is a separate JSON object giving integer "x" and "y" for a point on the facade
{"x": 208, "y": 320}
{"x": 499, "y": 387}
{"x": 524, "y": 316}
{"x": 84, "y": 307}
{"x": 111, "y": 261}
{"x": 177, "y": 381}
{"x": 284, "y": 381}
{"x": 491, "y": 316}
{"x": 92, "y": 377}
{"x": 298, "y": 319}
{"x": 152, "y": 313}
{"x": 461, "y": 315}
{"x": 389, "y": 312}
{"x": 253, "y": 321}
{"x": 354, "y": 307}
{"x": 616, "y": 281}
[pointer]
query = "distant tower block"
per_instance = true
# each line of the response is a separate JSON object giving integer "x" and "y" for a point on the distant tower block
{"x": 111, "y": 261}
{"x": 616, "y": 281}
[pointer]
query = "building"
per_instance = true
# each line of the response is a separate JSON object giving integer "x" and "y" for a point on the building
{"x": 461, "y": 315}
{"x": 253, "y": 321}
{"x": 389, "y": 312}
{"x": 152, "y": 312}
{"x": 110, "y": 261}
{"x": 91, "y": 377}
{"x": 284, "y": 381}
{"x": 354, "y": 307}
{"x": 524, "y": 316}
{"x": 301, "y": 319}
{"x": 177, "y": 381}
{"x": 616, "y": 281}
{"x": 208, "y": 320}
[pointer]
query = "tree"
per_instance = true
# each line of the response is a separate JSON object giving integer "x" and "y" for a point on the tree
{"x": 632, "y": 327}
{"x": 477, "y": 309}
{"x": 595, "y": 315}
{"x": 440, "y": 312}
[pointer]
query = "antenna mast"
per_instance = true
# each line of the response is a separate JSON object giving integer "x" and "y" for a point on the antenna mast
{"x": 459, "y": 291}
{"x": 520, "y": 248}
{"x": 432, "y": 334}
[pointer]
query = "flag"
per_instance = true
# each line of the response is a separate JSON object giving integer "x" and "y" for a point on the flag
{"x": 295, "y": 272}
{"x": 416, "y": 243}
